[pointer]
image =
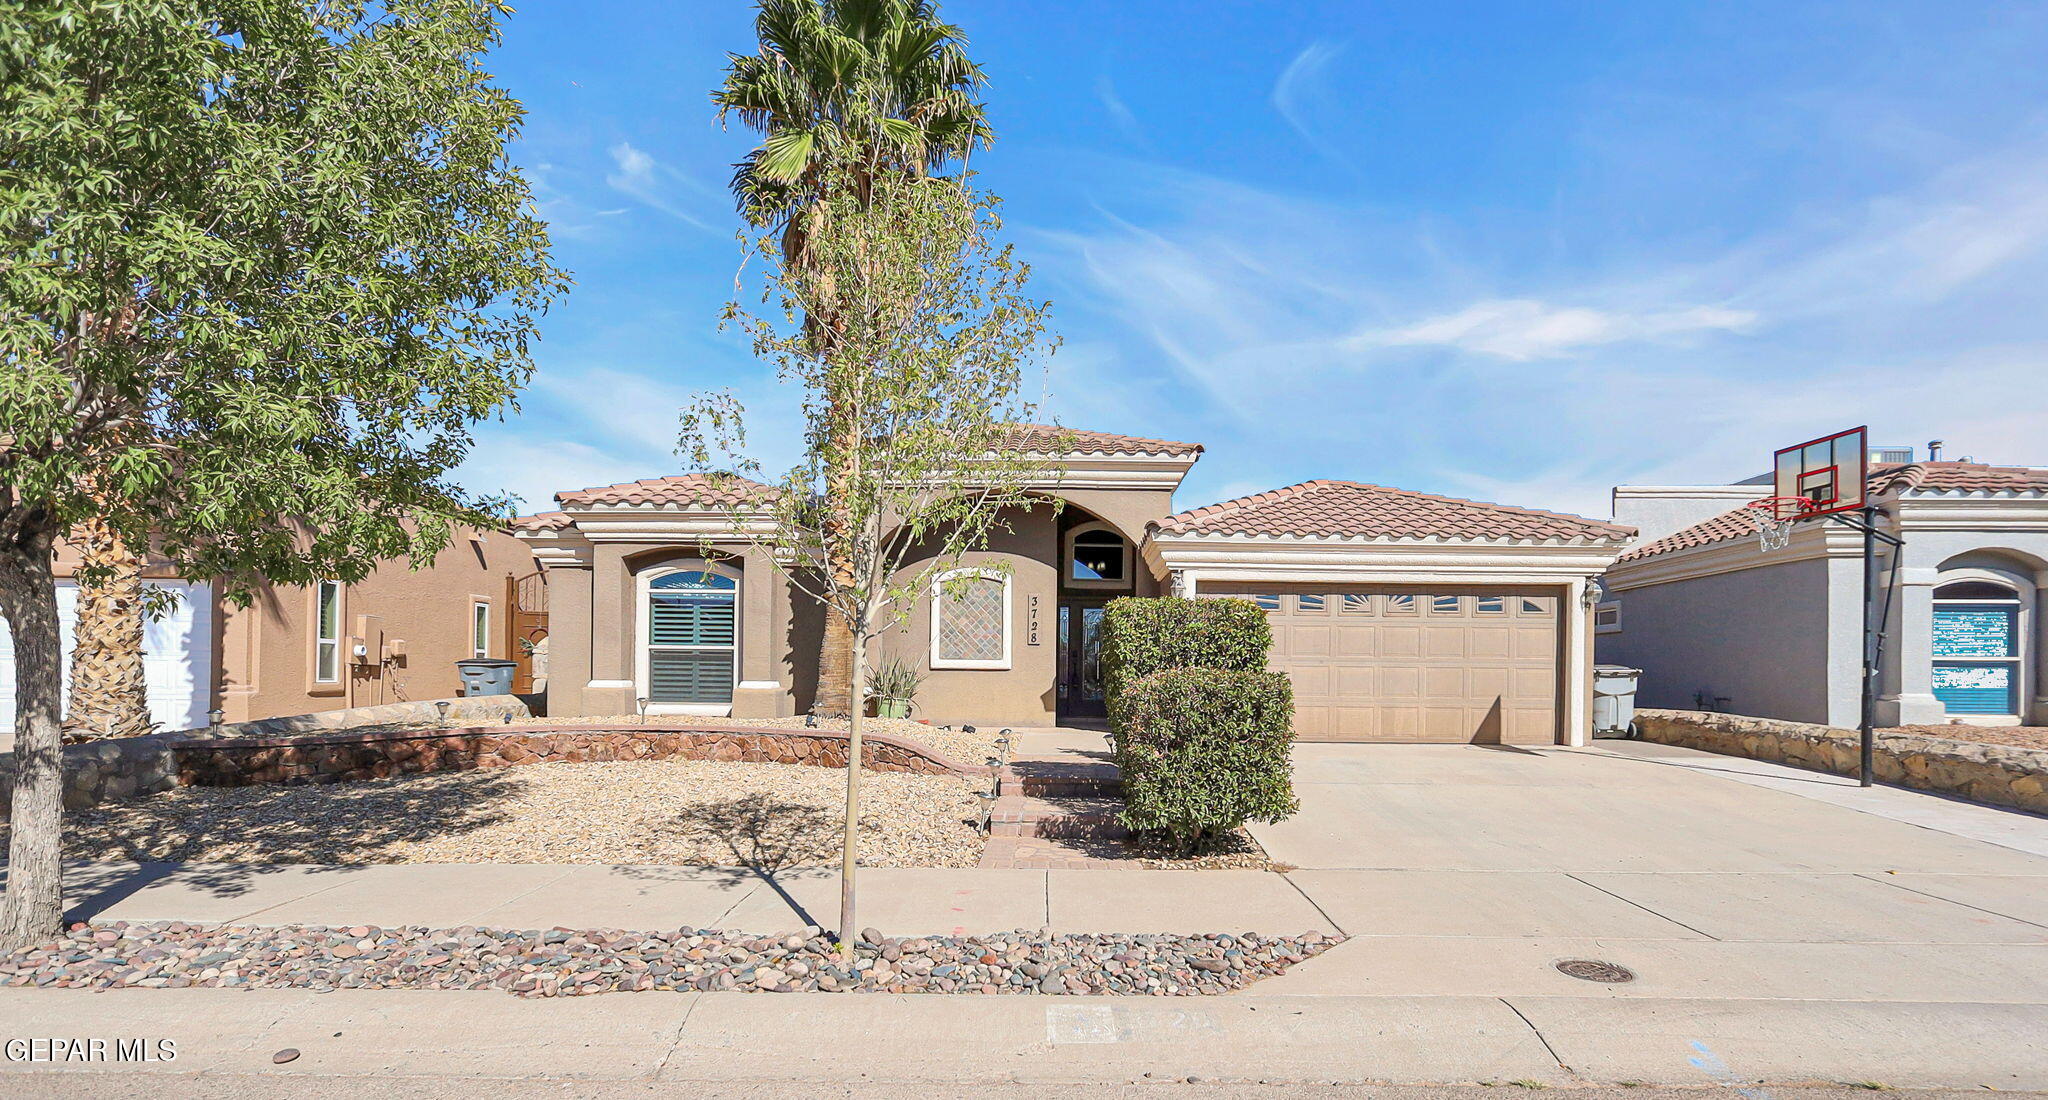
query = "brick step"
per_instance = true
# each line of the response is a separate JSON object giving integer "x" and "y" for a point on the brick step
{"x": 1016, "y": 815}
{"x": 1061, "y": 779}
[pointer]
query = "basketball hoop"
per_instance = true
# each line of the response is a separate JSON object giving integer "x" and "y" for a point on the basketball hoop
{"x": 1774, "y": 517}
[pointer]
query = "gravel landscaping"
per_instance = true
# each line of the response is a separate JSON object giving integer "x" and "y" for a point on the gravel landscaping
{"x": 178, "y": 955}
{"x": 641, "y": 812}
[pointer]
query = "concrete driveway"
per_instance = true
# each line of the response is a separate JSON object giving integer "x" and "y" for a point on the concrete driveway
{"x": 1466, "y": 869}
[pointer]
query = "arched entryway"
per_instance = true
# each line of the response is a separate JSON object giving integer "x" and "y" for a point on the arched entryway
{"x": 1098, "y": 563}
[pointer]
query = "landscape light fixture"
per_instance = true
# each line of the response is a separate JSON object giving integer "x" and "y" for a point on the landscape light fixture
{"x": 441, "y": 708}
{"x": 642, "y": 704}
{"x": 213, "y": 718}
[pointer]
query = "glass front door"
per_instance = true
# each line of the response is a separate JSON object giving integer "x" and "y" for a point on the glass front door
{"x": 1081, "y": 661}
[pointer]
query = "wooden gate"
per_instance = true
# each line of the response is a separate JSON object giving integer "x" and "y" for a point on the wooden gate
{"x": 526, "y": 625}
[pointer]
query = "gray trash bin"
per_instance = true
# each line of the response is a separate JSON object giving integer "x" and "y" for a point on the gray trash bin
{"x": 1614, "y": 700}
{"x": 485, "y": 676}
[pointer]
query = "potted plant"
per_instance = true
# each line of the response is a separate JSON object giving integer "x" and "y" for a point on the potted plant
{"x": 892, "y": 685}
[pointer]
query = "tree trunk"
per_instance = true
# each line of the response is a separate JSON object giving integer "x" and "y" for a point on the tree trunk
{"x": 835, "y": 670}
{"x": 850, "y": 854}
{"x": 109, "y": 695}
{"x": 33, "y": 907}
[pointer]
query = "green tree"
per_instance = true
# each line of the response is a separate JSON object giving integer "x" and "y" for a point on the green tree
{"x": 913, "y": 408}
{"x": 266, "y": 263}
{"x": 877, "y": 86}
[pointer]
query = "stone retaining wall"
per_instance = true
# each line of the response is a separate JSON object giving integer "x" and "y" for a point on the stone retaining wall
{"x": 343, "y": 757}
{"x": 2001, "y": 775}
{"x": 130, "y": 767}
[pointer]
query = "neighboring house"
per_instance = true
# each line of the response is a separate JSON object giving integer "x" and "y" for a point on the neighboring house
{"x": 394, "y": 636}
{"x": 1400, "y": 616}
{"x": 1713, "y": 621}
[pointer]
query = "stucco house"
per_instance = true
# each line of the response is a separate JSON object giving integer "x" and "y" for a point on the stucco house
{"x": 1400, "y": 616}
{"x": 392, "y": 637}
{"x": 1713, "y": 621}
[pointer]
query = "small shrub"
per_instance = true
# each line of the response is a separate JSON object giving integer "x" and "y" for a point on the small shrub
{"x": 1144, "y": 636}
{"x": 1205, "y": 750}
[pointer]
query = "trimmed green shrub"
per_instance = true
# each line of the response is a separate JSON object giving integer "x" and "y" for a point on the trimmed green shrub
{"x": 1144, "y": 636}
{"x": 1205, "y": 750}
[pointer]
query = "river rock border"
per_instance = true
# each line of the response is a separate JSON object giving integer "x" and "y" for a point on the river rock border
{"x": 379, "y": 754}
{"x": 565, "y": 963}
{"x": 2000, "y": 775}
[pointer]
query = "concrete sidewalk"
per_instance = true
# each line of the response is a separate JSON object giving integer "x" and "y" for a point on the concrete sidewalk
{"x": 962, "y": 1042}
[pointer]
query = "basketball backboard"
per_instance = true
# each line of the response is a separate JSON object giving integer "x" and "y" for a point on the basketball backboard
{"x": 1828, "y": 473}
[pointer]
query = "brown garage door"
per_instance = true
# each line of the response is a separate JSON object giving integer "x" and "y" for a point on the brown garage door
{"x": 1435, "y": 664}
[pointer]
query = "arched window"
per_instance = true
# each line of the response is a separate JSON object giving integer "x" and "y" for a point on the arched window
{"x": 1976, "y": 648}
{"x": 692, "y": 639}
{"x": 1098, "y": 557}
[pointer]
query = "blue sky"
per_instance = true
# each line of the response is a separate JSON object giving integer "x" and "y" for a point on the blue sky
{"x": 1518, "y": 251}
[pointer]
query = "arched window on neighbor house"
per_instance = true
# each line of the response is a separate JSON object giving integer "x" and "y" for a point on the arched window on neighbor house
{"x": 1977, "y": 648}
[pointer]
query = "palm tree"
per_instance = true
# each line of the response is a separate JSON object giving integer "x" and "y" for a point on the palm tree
{"x": 109, "y": 695}
{"x": 883, "y": 84}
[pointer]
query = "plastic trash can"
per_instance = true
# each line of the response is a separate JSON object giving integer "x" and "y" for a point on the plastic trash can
{"x": 485, "y": 676}
{"x": 1614, "y": 700}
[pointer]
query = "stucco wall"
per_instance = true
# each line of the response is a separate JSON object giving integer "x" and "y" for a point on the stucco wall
{"x": 267, "y": 647}
{"x": 1026, "y": 692}
{"x": 1753, "y": 637}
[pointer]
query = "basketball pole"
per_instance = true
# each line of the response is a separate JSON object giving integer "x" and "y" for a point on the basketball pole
{"x": 1873, "y": 629}
{"x": 1870, "y": 647}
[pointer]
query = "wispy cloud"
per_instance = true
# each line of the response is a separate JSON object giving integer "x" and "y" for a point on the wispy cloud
{"x": 1521, "y": 328}
{"x": 1120, "y": 112}
{"x": 642, "y": 177}
{"x": 1299, "y": 84}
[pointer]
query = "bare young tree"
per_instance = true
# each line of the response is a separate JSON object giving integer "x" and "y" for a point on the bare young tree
{"x": 912, "y": 411}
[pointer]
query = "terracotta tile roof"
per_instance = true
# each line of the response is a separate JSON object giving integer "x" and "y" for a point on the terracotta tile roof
{"x": 1889, "y": 478}
{"x": 1733, "y": 524}
{"x": 1957, "y": 477}
{"x": 1349, "y": 509}
{"x": 1040, "y": 436}
{"x": 714, "y": 490}
{"x": 543, "y": 521}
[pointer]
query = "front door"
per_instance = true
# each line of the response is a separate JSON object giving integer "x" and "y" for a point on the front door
{"x": 1081, "y": 662}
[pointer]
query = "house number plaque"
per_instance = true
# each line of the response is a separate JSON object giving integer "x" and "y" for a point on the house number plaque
{"x": 1031, "y": 622}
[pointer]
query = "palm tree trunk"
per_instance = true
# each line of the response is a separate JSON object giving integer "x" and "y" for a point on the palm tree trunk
{"x": 109, "y": 695}
{"x": 33, "y": 906}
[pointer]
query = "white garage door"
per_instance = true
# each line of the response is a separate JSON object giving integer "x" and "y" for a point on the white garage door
{"x": 177, "y": 656}
{"x": 1398, "y": 663}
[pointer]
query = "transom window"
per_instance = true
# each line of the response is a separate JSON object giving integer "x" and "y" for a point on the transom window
{"x": 971, "y": 620}
{"x": 692, "y": 638}
{"x": 1097, "y": 557}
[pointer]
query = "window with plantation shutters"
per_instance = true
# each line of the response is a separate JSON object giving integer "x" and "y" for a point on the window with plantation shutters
{"x": 691, "y": 638}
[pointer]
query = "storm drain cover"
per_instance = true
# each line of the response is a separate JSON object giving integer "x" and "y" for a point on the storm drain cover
{"x": 1595, "y": 970}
